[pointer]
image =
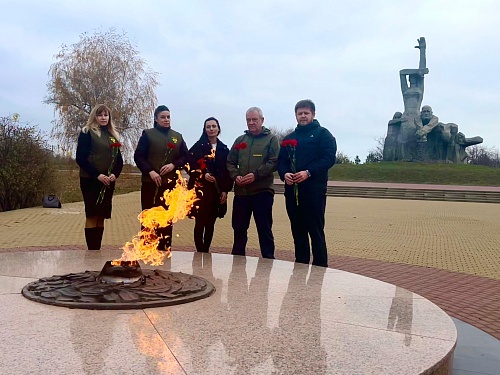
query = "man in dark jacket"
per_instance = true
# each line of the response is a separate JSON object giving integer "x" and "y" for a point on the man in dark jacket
{"x": 251, "y": 162}
{"x": 305, "y": 157}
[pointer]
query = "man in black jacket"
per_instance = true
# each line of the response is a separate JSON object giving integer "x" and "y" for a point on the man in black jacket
{"x": 305, "y": 157}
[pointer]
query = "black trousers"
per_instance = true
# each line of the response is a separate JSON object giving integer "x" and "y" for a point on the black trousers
{"x": 149, "y": 200}
{"x": 307, "y": 219}
{"x": 261, "y": 206}
{"x": 204, "y": 232}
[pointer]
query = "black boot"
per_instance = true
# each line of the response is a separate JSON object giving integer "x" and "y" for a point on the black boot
{"x": 98, "y": 239}
{"x": 93, "y": 237}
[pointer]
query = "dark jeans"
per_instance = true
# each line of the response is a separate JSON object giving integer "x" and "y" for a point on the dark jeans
{"x": 307, "y": 219}
{"x": 261, "y": 206}
{"x": 149, "y": 200}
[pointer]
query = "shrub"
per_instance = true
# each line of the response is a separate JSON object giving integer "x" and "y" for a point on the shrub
{"x": 26, "y": 169}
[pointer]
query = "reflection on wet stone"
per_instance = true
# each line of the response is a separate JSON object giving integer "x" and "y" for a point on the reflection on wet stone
{"x": 401, "y": 313}
{"x": 85, "y": 291}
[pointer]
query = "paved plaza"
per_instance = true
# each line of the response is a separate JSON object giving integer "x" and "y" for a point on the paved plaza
{"x": 448, "y": 252}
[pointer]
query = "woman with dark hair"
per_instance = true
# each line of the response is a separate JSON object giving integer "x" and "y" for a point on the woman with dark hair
{"x": 100, "y": 160}
{"x": 209, "y": 175}
{"x": 161, "y": 151}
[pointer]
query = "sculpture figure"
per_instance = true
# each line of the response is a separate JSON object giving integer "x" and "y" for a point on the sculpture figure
{"x": 413, "y": 93}
{"x": 392, "y": 149}
{"x": 416, "y": 135}
{"x": 412, "y": 88}
{"x": 458, "y": 153}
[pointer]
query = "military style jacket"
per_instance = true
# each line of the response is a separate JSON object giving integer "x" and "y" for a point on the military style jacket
{"x": 257, "y": 154}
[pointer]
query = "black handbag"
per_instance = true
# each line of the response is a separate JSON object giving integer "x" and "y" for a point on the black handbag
{"x": 51, "y": 201}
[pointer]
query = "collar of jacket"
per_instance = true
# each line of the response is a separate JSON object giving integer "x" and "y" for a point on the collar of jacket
{"x": 161, "y": 128}
{"x": 308, "y": 127}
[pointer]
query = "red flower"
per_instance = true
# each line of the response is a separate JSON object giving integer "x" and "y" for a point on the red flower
{"x": 202, "y": 164}
{"x": 289, "y": 142}
{"x": 170, "y": 145}
{"x": 240, "y": 146}
{"x": 115, "y": 145}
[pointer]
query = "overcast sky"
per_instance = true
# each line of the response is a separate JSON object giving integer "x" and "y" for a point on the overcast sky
{"x": 218, "y": 58}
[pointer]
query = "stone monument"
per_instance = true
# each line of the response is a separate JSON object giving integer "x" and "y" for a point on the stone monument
{"x": 418, "y": 135}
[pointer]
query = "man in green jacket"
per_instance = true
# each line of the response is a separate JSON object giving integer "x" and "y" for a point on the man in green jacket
{"x": 251, "y": 162}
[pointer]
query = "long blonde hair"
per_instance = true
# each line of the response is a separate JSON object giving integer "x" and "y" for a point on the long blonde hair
{"x": 93, "y": 125}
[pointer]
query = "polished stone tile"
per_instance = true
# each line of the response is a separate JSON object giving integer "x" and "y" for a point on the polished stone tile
{"x": 265, "y": 317}
{"x": 10, "y": 285}
{"x": 42, "y": 339}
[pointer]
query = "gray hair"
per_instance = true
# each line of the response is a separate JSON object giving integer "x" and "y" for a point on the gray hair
{"x": 255, "y": 109}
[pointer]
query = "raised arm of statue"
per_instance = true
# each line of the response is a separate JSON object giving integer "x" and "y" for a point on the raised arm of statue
{"x": 422, "y": 46}
{"x": 416, "y": 77}
{"x": 473, "y": 141}
{"x": 404, "y": 81}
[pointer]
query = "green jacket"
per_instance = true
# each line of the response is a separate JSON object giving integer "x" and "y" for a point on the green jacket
{"x": 152, "y": 152}
{"x": 94, "y": 155}
{"x": 259, "y": 156}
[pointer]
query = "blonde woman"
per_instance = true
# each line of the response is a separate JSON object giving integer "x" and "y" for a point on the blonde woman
{"x": 99, "y": 158}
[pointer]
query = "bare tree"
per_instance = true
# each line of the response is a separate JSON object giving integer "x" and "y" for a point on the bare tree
{"x": 376, "y": 154}
{"x": 280, "y": 133}
{"x": 101, "y": 68}
{"x": 481, "y": 155}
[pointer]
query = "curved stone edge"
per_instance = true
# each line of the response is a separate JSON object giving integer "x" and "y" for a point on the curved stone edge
{"x": 444, "y": 366}
{"x": 123, "y": 306}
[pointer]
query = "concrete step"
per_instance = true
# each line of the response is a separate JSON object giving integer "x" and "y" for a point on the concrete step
{"x": 405, "y": 193}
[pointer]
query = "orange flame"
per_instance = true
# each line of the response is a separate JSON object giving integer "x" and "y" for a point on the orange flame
{"x": 144, "y": 245}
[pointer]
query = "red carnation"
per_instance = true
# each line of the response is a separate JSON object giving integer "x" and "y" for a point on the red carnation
{"x": 240, "y": 146}
{"x": 289, "y": 142}
{"x": 202, "y": 164}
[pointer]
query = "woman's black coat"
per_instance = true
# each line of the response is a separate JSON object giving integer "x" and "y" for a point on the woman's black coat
{"x": 200, "y": 163}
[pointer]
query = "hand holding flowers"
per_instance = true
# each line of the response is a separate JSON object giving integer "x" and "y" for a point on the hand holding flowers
{"x": 294, "y": 177}
{"x": 107, "y": 180}
{"x": 249, "y": 177}
{"x": 165, "y": 168}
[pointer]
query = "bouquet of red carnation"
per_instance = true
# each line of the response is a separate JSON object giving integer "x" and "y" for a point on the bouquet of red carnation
{"x": 170, "y": 147}
{"x": 115, "y": 148}
{"x": 291, "y": 145}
